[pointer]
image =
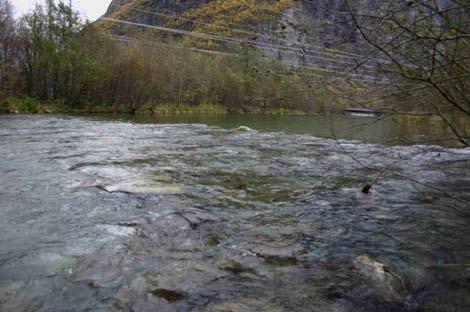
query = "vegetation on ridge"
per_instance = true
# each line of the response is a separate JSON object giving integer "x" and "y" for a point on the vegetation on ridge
{"x": 57, "y": 58}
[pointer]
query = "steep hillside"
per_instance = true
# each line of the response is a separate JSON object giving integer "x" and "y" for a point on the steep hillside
{"x": 313, "y": 31}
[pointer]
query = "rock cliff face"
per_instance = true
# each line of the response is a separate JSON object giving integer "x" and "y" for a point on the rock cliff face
{"x": 313, "y": 27}
{"x": 170, "y": 6}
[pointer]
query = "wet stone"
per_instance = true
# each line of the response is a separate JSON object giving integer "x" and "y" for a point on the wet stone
{"x": 442, "y": 256}
{"x": 136, "y": 226}
{"x": 244, "y": 128}
{"x": 183, "y": 229}
{"x": 168, "y": 295}
{"x": 238, "y": 261}
{"x": 280, "y": 251}
{"x": 235, "y": 267}
{"x": 389, "y": 283}
{"x": 213, "y": 240}
{"x": 9, "y": 291}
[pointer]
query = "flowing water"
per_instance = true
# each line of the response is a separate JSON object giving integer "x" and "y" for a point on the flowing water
{"x": 117, "y": 215}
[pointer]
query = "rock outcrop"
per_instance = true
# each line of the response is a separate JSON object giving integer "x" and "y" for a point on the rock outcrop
{"x": 321, "y": 31}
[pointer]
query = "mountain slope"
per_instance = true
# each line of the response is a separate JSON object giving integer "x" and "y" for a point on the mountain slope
{"x": 312, "y": 30}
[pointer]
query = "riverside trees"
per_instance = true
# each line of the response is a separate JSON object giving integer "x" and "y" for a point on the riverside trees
{"x": 52, "y": 55}
{"x": 7, "y": 47}
{"x": 427, "y": 44}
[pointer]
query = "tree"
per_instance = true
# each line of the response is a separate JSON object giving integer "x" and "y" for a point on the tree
{"x": 427, "y": 45}
{"x": 48, "y": 53}
{"x": 7, "y": 29}
{"x": 7, "y": 47}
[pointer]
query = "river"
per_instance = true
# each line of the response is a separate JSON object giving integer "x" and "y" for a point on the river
{"x": 198, "y": 214}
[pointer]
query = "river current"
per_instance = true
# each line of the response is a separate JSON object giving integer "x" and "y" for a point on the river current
{"x": 113, "y": 215}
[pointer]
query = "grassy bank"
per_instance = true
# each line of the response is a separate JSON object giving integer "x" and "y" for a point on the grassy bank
{"x": 28, "y": 105}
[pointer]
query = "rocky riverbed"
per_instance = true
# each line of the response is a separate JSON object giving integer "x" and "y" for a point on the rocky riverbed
{"x": 116, "y": 216}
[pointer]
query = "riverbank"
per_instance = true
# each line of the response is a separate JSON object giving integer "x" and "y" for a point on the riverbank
{"x": 434, "y": 127}
{"x": 14, "y": 105}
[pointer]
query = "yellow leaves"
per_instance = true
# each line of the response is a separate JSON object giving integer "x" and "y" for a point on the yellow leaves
{"x": 123, "y": 9}
{"x": 225, "y": 17}
{"x": 238, "y": 13}
{"x": 122, "y": 12}
{"x": 217, "y": 17}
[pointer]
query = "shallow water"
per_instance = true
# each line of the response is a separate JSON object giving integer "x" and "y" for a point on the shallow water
{"x": 379, "y": 129}
{"x": 111, "y": 215}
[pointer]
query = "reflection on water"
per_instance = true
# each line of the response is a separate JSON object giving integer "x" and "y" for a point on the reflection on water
{"x": 110, "y": 215}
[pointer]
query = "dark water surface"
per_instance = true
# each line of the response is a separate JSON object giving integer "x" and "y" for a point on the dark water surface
{"x": 101, "y": 214}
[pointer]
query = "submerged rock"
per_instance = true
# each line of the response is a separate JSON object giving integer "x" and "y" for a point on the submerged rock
{"x": 281, "y": 251}
{"x": 8, "y": 292}
{"x": 443, "y": 256}
{"x": 235, "y": 267}
{"x": 392, "y": 285}
{"x": 182, "y": 229}
{"x": 118, "y": 230}
{"x": 137, "y": 288}
{"x": 168, "y": 295}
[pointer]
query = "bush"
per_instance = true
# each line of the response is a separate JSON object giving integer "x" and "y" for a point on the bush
{"x": 18, "y": 105}
{"x": 183, "y": 109}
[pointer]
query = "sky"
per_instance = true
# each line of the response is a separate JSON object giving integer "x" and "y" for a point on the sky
{"x": 91, "y": 9}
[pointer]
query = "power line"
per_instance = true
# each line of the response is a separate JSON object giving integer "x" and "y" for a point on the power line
{"x": 361, "y": 66}
{"x": 354, "y": 67}
{"x": 334, "y": 52}
{"x": 129, "y": 39}
{"x": 353, "y": 77}
{"x": 205, "y": 36}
